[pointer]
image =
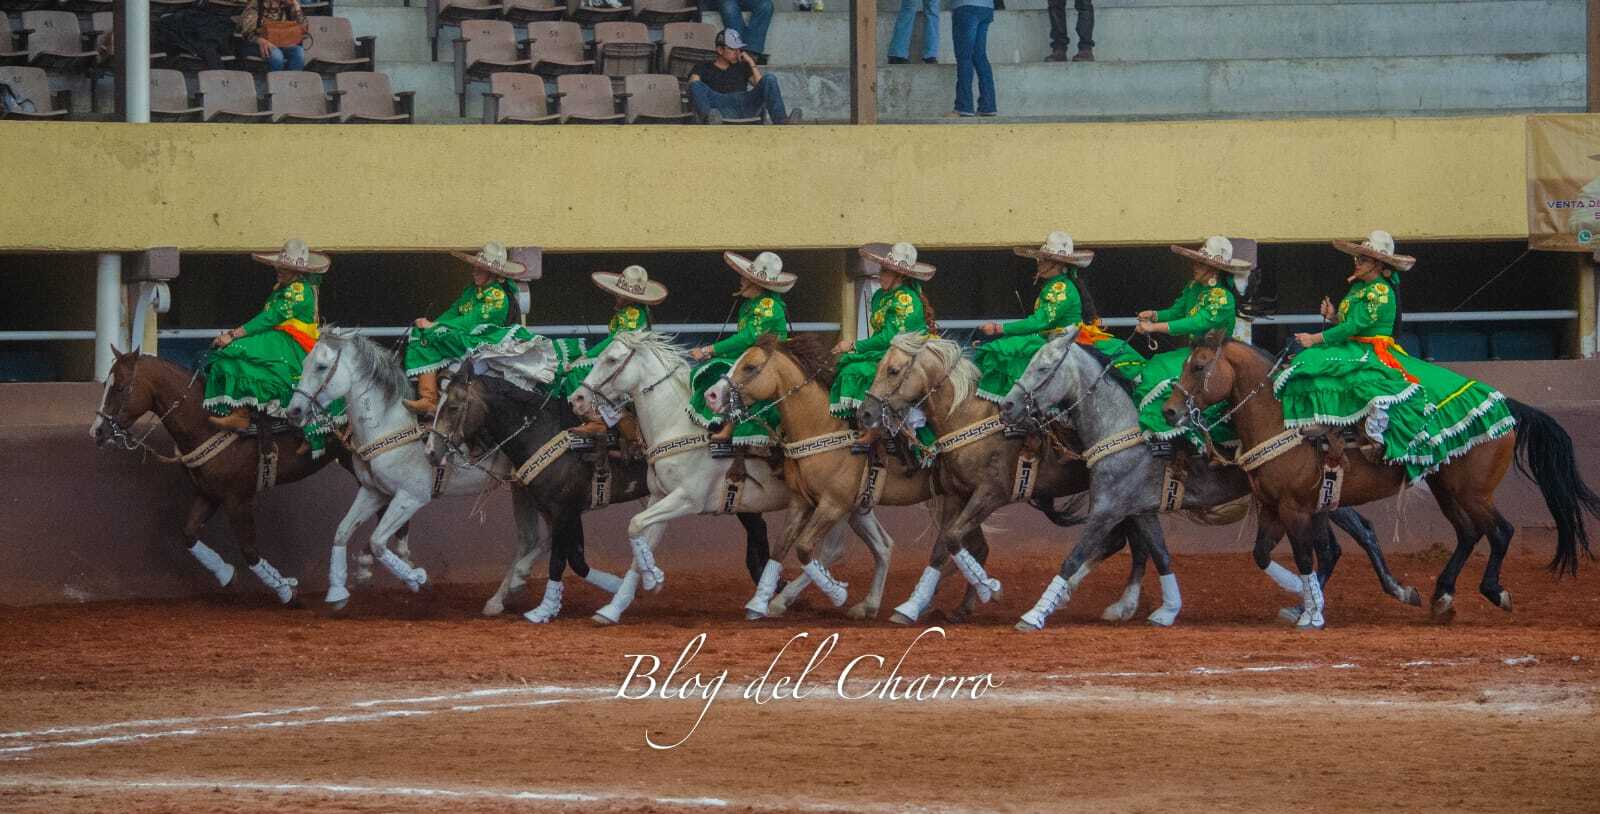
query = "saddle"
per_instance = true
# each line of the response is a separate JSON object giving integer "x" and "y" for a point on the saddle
{"x": 268, "y": 427}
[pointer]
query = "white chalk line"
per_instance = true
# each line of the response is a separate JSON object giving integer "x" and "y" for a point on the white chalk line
{"x": 1209, "y": 671}
{"x": 1489, "y": 702}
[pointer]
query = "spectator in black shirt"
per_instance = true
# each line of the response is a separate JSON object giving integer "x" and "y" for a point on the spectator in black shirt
{"x": 731, "y": 86}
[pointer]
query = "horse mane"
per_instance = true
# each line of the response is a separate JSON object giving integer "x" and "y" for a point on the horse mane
{"x": 808, "y": 352}
{"x": 388, "y": 373}
{"x": 651, "y": 340}
{"x": 961, "y": 372}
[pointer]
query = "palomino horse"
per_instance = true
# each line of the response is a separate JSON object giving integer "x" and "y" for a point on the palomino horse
{"x": 389, "y": 462}
{"x": 1286, "y": 486}
{"x": 646, "y": 368}
{"x": 487, "y": 412}
{"x": 1066, "y": 383}
{"x": 225, "y": 469}
{"x": 828, "y": 482}
{"x": 978, "y": 464}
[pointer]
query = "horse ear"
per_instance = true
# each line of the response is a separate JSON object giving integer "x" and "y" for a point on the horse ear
{"x": 1216, "y": 337}
{"x": 116, "y": 353}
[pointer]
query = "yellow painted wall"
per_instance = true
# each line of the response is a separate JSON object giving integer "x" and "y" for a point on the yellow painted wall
{"x": 86, "y": 186}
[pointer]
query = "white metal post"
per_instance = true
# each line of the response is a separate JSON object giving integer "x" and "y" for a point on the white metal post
{"x": 136, "y": 60}
{"x": 107, "y": 312}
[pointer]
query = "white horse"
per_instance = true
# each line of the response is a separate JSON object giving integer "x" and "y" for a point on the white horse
{"x": 646, "y": 368}
{"x": 391, "y": 463}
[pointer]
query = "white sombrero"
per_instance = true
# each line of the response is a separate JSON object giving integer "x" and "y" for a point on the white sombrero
{"x": 1058, "y": 247}
{"x": 633, "y": 284}
{"x": 902, "y": 259}
{"x": 1217, "y": 252}
{"x": 1380, "y": 247}
{"x": 492, "y": 258}
{"x": 296, "y": 257}
{"x": 765, "y": 271}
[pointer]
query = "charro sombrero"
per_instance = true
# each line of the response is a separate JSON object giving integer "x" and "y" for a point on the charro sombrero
{"x": 1216, "y": 252}
{"x": 296, "y": 257}
{"x": 1058, "y": 247}
{"x": 492, "y": 258}
{"x": 902, "y": 259}
{"x": 1380, "y": 247}
{"x": 633, "y": 284}
{"x": 765, "y": 271}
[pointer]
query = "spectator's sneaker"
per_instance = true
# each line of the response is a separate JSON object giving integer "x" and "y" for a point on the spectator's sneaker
{"x": 930, "y": 60}
{"x": 714, "y": 117}
{"x": 1084, "y": 55}
{"x": 963, "y": 114}
{"x": 990, "y": 114}
{"x": 1057, "y": 55}
{"x": 796, "y": 116}
{"x": 898, "y": 60}
{"x": 802, "y": 5}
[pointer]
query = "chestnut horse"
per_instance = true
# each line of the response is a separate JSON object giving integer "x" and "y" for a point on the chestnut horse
{"x": 1285, "y": 487}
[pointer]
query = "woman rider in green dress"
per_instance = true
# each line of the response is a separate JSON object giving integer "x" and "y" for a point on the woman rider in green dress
{"x": 257, "y": 365}
{"x": 898, "y": 306}
{"x": 762, "y": 312}
{"x": 484, "y": 314}
{"x": 635, "y": 292}
{"x": 1060, "y": 305}
{"x": 1423, "y": 415}
{"x": 1207, "y": 303}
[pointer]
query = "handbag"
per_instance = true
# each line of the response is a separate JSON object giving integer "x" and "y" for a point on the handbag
{"x": 281, "y": 33}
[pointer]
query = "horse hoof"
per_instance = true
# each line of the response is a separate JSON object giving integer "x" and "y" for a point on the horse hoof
{"x": 959, "y": 615}
{"x": 338, "y": 607}
{"x": 1290, "y": 615}
{"x": 860, "y": 611}
{"x": 1411, "y": 596}
{"x": 652, "y": 579}
{"x": 1444, "y": 610}
{"x": 417, "y": 581}
{"x": 494, "y": 607}
{"x": 1505, "y": 600}
{"x": 1027, "y": 627}
{"x": 752, "y": 616}
{"x": 1162, "y": 617}
{"x": 1119, "y": 612}
{"x": 902, "y": 619}
{"x": 338, "y": 596}
{"x": 600, "y": 618}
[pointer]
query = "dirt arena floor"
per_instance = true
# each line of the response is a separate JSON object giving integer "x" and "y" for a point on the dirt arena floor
{"x": 413, "y": 703}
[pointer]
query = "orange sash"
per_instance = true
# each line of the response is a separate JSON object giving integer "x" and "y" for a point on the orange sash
{"x": 304, "y": 334}
{"x": 1090, "y": 333}
{"x": 1384, "y": 346}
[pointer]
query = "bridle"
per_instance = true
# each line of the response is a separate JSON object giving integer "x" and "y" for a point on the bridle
{"x": 736, "y": 397}
{"x": 623, "y": 365}
{"x": 1193, "y": 414}
{"x": 894, "y": 420}
{"x": 1030, "y": 398}
{"x": 457, "y": 452}
{"x": 314, "y": 397}
{"x": 123, "y": 436}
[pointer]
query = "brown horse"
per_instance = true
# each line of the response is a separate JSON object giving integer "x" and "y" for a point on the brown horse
{"x": 1286, "y": 486}
{"x": 228, "y": 479}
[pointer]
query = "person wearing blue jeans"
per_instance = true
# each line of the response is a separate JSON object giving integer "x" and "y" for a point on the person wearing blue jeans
{"x": 753, "y": 33}
{"x": 731, "y": 86}
{"x": 900, "y": 43}
{"x": 969, "y": 24}
{"x": 252, "y": 30}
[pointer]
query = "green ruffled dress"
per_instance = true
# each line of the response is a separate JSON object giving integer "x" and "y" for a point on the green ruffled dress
{"x": 480, "y": 316}
{"x": 576, "y": 357}
{"x": 758, "y": 316}
{"x": 894, "y": 311}
{"x": 1200, "y": 308}
{"x": 1058, "y": 307}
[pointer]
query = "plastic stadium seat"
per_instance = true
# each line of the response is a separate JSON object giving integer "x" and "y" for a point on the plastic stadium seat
{"x": 297, "y": 97}
{"x": 685, "y": 45}
{"x": 486, "y": 47}
{"x": 589, "y": 15}
{"x": 230, "y": 96}
{"x": 13, "y": 50}
{"x": 20, "y": 6}
{"x": 517, "y": 98}
{"x": 556, "y": 48}
{"x": 33, "y": 85}
{"x": 623, "y": 49}
{"x": 57, "y": 43}
{"x": 335, "y": 48}
{"x": 86, "y": 7}
{"x": 587, "y": 99}
{"x": 522, "y": 12}
{"x": 441, "y": 13}
{"x": 169, "y": 98}
{"x": 661, "y": 12}
{"x": 100, "y": 22}
{"x": 368, "y": 99}
{"x": 654, "y": 99}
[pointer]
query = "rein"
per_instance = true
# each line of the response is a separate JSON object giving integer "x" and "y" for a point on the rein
{"x": 124, "y": 438}
{"x": 736, "y": 396}
{"x": 900, "y": 416}
{"x": 1192, "y": 409}
{"x": 313, "y": 397}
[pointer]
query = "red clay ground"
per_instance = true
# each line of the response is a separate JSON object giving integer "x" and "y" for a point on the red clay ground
{"x": 412, "y": 703}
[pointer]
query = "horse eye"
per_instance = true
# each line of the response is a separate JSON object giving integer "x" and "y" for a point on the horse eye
{"x": 894, "y": 371}
{"x": 322, "y": 366}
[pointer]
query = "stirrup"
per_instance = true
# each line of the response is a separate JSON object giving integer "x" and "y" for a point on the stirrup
{"x": 719, "y": 448}
{"x": 1011, "y": 433}
{"x": 1160, "y": 448}
{"x": 580, "y": 443}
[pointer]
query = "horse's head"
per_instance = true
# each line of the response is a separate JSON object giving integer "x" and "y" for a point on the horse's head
{"x": 913, "y": 368}
{"x": 1207, "y": 378}
{"x": 761, "y": 373}
{"x": 634, "y": 361}
{"x": 327, "y": 374}
{"x": 1049, "y": 380}
{"x": 127, "y": 396}
{"x": 460, "y": 416}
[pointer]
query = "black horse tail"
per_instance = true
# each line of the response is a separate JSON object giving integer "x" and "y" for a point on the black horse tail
{"x": 1545, "y": 455}
{"x": 1067, "y": 512}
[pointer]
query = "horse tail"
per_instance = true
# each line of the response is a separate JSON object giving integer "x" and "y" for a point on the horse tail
{"x": 1545, "y": 455}
{"x": 1064, "y": 512}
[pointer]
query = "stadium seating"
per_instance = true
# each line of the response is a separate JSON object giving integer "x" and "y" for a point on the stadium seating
{"x": 556, "y": 48}
{"x": 13, "y": 48}
{"x": 230, "y": 96}
{"x": 485, "y": 47}
{"x": 335, "y": 48}
{"x": 297, "y": 97}
{"x": 522, "y": 12}
{"x": 169, "y": 98}
{"x": 685, "y": 45}
{"x": 623, "y": 48}
{"x": 33, "y": 85}
{"x": 441, "y": 13}
{"x": 661, "y": 12}
{"x": 587, "y": 99}
{"x": 591, "y": 15}
{"x": 57, "y": 43}
{"x": 517, "y": 98}
{"x": 368, "y": 99}
{"x": 654, "y": 99}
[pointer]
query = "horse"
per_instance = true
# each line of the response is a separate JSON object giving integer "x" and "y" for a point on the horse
{"x": 648, "y": 369}
{"x": 1219, "y": 368}
{"x": 987, "y": 471}
{"x": 225, "y": 472}
{"x": 819, "y": 467}
{"x": 491, "y": 413}
{"x": 1065, "y": 383}
{"x": 391, "y": 465}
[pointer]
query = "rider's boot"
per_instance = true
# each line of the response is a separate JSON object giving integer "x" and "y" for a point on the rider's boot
{"x": 237, "y": 420}
{"x": 632, "y": 440}
{"x": 427, "y": 399}
{"x": 864, "y": 444}
{"x": 721, "y": 440}
{"x": 591, "y": 433}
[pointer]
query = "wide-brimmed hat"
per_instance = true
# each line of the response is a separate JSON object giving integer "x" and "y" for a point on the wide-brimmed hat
{"x": 633, "y": 284}
{"x": 296, "y": 257}
{"x": 1380, "y": 247}
{"x": 765, "y": 271}
{"x": 902, "y": 259}
{"x": 492, "y": 258}
{"x": 1058, "y": 247}
{"x": 1216, "y": 252}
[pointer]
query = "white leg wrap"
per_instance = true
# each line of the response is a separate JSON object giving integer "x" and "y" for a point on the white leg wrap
{"x": 604, "y": 580}
{"x": 338, "y": 569}
{"x": 917, "y": 604}
{"x": 833, "y": 588}
{"x": 612, "y": 612}
{"x": 980, "y": 580}
{"x": 765, "y": 588}
{"x": 1285, "y": 578}
{"x": 213, "y": 562}
{"x": 281, "y": 585}
{"x": 1057, "y": 593}
{"x": 550, "y": 607}
{"x": 1171, "y": 602}
{"x": 414, "y": 578}
{"x": 1310, "y": 603}
{"x": 644, "y": 561}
